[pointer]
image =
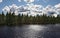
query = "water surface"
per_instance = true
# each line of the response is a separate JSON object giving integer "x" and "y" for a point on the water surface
{"x": 31, "y": 31}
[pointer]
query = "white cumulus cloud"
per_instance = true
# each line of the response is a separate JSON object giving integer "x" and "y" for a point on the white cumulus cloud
{"x": 6, "y": 9}
{"x": 0, "y": 1}
{"x": 50, "y": 11}
{"x": 57, "y": 8}
{"x": 29, "y": 1}
{"x": 33, "y": 9}
{"x": 12, "y": 8}
{"x": 19, "y": 0}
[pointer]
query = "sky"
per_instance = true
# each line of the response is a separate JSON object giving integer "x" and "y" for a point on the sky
{"x": 29, "y": 5}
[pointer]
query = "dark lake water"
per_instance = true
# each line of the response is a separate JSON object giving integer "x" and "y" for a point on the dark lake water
{"x": 31, "y": 31}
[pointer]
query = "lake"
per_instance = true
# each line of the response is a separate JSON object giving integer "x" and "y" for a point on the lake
{"x": 31, "y": 31}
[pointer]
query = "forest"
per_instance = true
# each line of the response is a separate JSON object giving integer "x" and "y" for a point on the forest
{"x": 11, "y": 19}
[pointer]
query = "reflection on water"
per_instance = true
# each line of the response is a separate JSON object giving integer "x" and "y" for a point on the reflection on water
{"x": 36, "y": 27}
{"x": 31, "y": 31}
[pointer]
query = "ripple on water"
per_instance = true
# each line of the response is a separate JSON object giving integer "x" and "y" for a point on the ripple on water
{"x": 31, "y": 31}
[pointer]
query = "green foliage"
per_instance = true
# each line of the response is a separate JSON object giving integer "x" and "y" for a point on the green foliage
{"x": 12, "y": 19}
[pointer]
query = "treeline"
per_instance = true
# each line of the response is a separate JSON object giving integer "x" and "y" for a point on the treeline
{"x": 12, "y": 19}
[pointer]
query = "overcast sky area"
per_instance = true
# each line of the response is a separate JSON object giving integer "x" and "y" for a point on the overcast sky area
{"x": 25, "y": 6}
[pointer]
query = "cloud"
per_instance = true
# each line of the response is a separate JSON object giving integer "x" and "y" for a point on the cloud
{"x": 45, "y": 1}
{"x": 30, "y": 9}
{"x": 29, "y": 1}
{"x": 11, "y": 8}
{"x": 33, "y": 7}
{"x": 50, "y": 11}
{"x": 0, "y": 1}
{"x": 57, "y": 8}
{"x": 19, "y": 0}
{"x": 6, "y": 9}
{"x": 33, "y": 10}
{"x": 48, "y": 8}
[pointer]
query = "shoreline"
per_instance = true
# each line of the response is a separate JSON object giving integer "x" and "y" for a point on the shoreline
{"x": 28, "y": 24}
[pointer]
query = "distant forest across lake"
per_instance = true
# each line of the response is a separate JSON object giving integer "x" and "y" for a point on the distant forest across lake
{"x": 12, "y": 19}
